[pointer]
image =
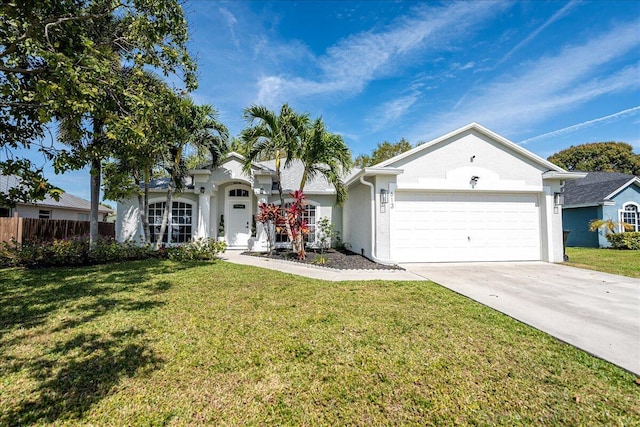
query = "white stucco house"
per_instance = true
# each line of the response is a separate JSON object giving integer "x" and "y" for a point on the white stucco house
{"x": 470, "y": 195}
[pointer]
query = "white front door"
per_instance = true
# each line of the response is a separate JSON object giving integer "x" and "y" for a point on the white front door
{"x": 238, "y": 215}
{"x": 436, "y": 227}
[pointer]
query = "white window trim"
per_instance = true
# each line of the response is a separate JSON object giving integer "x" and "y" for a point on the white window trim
{"x": 622, "y": 210}
{"x": 194, "y": 216}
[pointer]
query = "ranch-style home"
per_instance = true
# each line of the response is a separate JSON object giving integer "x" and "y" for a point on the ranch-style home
{"x": 470, "y": 195}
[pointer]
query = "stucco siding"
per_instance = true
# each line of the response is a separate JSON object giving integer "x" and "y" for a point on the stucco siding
{"x": 357, "y": 219}
{"x": 452, "y": 163}
{"x": 576, "y": 221}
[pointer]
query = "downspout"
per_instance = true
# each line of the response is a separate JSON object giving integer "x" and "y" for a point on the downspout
{"x": 373, "y": 224}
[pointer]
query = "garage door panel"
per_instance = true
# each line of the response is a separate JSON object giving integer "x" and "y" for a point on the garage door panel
{"x": 432, "y": 227}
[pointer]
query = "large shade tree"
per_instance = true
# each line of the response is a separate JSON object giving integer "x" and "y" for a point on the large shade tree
{"x": 59, "y": 60}
{"x": 151, "y": 119}
{"x": 599, "y": 156}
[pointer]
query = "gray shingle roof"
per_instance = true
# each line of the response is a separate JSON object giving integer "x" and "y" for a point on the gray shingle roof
{"x": 67, "y": 201}
{"x": 593, "y": 188}
{"x": 292, "y": 175}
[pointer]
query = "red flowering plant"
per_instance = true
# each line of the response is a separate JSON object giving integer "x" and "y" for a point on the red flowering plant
{"x": 268, "y": 216}
{"x": 299, "y": 227}
{"x": 290, "y": 219}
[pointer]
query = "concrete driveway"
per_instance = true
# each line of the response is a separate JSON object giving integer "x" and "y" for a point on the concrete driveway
{"x": 597, "y": 312}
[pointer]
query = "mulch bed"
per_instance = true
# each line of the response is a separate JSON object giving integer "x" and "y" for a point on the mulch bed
{"x": 341, "y": 259}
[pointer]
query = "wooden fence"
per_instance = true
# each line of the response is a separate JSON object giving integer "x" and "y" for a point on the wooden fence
{"x": 33, "y": 229}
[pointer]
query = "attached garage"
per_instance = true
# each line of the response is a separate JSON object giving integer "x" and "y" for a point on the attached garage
{"x": 462, "y": 226}
{"x": 470, "y": 195}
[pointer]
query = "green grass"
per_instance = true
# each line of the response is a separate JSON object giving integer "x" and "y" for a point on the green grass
{"x": 626, "y": 263}
{"x": 162, "y": 343}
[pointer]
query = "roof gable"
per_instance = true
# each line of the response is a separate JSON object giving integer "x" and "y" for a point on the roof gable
{"x": 482, "y": 130}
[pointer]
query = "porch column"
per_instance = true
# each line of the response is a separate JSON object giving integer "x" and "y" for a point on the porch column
{"x": 261, "y": 244}
{"x": 204, "y": 207}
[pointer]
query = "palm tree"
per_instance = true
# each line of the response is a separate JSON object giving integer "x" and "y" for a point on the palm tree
{"x": 325, "y": 154}
{"x": 278, "y": 137}
{"x": 195, "y": 126}
{"x": 274, "y": 136}
{"x": 609, "y": 225}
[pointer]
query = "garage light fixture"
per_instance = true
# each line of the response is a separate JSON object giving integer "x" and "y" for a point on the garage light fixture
{"x": 558, "y": 199}
{"x": 202, "y": 190}
{"x": 384, "y": 197}
{"x": 475, "y": 179}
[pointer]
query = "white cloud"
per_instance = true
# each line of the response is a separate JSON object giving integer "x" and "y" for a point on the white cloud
{"x": 570, "y": 129}
{"x": 559, "y": 14}
{"x": 352, "y": 63}
{"x": 231, "y": 21}
{"x": 546, "y": 87}
{"x": 391, "y": 111}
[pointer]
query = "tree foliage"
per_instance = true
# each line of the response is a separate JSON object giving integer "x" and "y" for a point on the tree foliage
{"x": 60, "y": 60}
{"x": 324, "y": 154}
{"x": 383, "y": 151}
{"x": 599, "y": 156}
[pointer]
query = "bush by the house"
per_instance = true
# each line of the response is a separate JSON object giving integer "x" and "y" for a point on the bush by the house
{"x": 73, "y": 252}
{"x": 628, "y": 240}
{"x": 197, "y": 250}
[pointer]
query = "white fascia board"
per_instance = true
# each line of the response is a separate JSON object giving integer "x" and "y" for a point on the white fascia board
{"x": 564, "y": 175}
{"x": 372, "y": 171}
{"x": 481, "y": 129}
{"x": 633, "y": 180}
{"x": 200, "y": 172}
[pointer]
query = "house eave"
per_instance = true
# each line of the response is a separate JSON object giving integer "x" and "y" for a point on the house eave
{"x": 633, "y": 180}
{"x": 563, "y": 175}
{"x": 372, "y": 171}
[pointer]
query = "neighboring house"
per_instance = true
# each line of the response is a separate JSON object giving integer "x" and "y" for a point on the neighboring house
{"x": 470, "y": 195}
{"x": 67, "y": 207}
{"x": 604, "y": 196}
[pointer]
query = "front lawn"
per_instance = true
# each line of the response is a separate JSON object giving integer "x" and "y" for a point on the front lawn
{"x": 626, "y": 263}
{"x": 158, "y": 342}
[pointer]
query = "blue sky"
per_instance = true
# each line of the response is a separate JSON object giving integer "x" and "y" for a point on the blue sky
{"x": 546, "y": 75}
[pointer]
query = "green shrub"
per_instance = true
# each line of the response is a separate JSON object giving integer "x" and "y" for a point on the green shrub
{"x": 196, "y": 250}
{"x": 628, "y": 240}
{"x": 73, "y": 252}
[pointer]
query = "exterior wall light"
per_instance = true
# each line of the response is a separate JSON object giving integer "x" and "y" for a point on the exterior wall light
{"x": 558, "y": 199}
{"x": 202, "y": 190}
{"x": 475, "y": 179}
{"x": 384, "y": 197}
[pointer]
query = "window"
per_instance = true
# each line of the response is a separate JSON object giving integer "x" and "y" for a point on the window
{"x": 179, "y": 225}
{"x": 43, "y": 214}
{"x": 238, "y": 192}
{"x": 629, "y": 215}
{"x": 309, "y": 215}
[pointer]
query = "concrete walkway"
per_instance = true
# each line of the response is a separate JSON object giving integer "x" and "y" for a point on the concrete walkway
{"x": 596, "y": 312}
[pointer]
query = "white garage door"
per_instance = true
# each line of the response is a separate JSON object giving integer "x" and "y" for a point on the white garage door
{"x": 434, "y": 227}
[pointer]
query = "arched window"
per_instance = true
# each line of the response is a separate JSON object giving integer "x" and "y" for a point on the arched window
{"x": 629, "y": 215}
{"x": 179, "y": 226}
{"x": 238, "y": 192}
{"x": 309, "y": 215}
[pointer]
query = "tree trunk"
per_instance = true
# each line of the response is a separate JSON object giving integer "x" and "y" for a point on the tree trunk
{"x": 144, "y": 213}
{"x": 287, "y": 226}
{"x": 95, "y": 202}
{"x": 165, "y": 217}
